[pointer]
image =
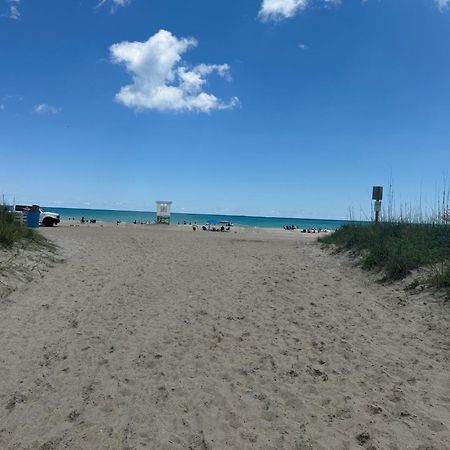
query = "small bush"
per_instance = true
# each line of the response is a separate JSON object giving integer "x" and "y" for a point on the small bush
{"x": 441, "y": 277}
{"x": 12, "y": 232}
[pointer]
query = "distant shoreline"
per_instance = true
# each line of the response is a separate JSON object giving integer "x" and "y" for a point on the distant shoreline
{"x": 199, "y": 219}
{"x": 193, "y": 214}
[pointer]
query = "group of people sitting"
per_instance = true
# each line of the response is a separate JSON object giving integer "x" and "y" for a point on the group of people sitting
{"x": 305, "y": 230}
{"x": 314, "y": 230}
{"x": 205, "y": 228}
{"x": 83, "y": 220}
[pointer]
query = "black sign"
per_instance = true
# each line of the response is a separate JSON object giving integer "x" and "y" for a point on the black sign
{"x": 377, "y": 193}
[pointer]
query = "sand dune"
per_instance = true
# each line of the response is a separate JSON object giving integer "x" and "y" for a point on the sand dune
{"x": 162, "y": 338}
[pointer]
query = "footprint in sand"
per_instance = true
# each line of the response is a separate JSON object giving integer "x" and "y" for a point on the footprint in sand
{"x": 233, "y": 420}
{"x": 16, "y": 399}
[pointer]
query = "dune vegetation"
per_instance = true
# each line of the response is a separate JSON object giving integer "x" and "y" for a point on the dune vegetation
{"x": 12, "y": 232}
{"x": 397, "y": 248}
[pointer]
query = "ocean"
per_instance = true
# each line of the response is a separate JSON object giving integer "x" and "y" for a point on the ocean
{"x": 242, "y": 221}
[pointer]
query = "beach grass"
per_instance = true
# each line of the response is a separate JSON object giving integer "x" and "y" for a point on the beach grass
{"x": 397, "y": 248}
{"x": 12, "y": 232}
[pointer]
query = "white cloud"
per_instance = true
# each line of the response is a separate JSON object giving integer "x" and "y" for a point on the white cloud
{"x": 43, "y": 108}
{"x": 442, "y": 4}
{"x": 303, "y": 46}
{"x": 114, "y": 4}
{"x": 281, "y": 9}
{"x": 14, "y": 12}
{"x": 276, "y": 10}
{"x": 2, "y": 107}
{"x": 161, "y": 80}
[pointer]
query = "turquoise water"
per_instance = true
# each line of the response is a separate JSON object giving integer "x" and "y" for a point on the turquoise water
{"x": 243, "y": 221}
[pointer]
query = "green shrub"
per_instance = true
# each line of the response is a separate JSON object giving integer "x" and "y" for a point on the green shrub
{"x": 441, "y": 279}
{"x": 396, "y": 248}
{"x": 11, "y": 231}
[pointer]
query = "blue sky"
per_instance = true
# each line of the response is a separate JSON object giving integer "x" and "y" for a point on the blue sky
{"x": 274, "y": 107}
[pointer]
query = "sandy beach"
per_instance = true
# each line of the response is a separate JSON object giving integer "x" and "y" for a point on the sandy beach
{"x": 153, "y": 337}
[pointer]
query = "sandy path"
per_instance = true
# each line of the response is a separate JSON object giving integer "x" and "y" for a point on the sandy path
{"x": 150, "y": 338}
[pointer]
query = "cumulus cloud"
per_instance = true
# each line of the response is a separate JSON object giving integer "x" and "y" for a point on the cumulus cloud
{"x": 161, "y": 80}
{"x": 281, "y": 9}
{"x": 276, "y": 10}
{"x": 43, "y": 108}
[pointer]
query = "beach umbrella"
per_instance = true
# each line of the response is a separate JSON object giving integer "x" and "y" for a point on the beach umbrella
{"x": 211, "y": 223}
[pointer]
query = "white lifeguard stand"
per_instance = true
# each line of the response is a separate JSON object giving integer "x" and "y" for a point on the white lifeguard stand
{"x": 163, "y": 211}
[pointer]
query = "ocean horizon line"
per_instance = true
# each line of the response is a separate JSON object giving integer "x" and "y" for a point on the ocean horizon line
{"x": 48, "y": 208}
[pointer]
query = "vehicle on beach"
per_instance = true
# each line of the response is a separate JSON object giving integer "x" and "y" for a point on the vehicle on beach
{"x": 46, "y": 218}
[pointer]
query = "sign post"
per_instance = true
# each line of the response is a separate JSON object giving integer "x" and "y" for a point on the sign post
{"x": 377, "y": 196}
